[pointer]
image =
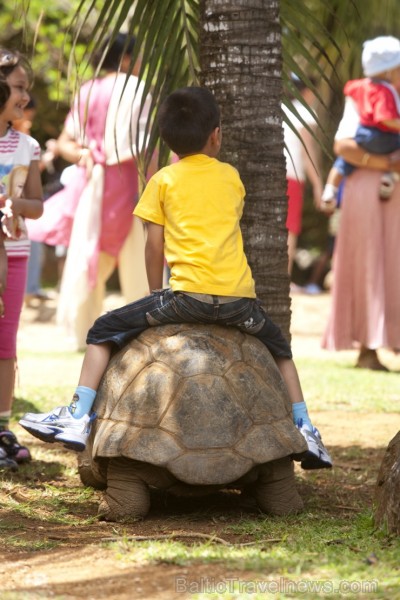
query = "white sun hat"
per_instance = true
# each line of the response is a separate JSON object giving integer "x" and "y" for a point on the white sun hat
{"x": 380, "y": 54}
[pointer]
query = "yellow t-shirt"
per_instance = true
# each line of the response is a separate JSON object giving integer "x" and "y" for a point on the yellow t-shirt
{"x": 199, "y": 202}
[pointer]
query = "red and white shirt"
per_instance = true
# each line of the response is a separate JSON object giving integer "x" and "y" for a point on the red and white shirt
{"x": 376, "y": 101}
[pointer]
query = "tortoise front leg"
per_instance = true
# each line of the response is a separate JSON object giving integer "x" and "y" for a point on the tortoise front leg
{"x": 127, "y": 496}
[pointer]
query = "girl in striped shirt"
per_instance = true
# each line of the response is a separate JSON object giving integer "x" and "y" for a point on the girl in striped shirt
{"x": 20, "y": 197}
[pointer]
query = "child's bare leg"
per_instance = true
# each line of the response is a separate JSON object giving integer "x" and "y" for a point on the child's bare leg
{"x": 290, "y": 376}
{"x": 94, "y": 364}
{"x": 7, "y": 378}
{"x": 329, "y": 195}
{"x": 317, "y": 456}
{"x": 335, "y": 178}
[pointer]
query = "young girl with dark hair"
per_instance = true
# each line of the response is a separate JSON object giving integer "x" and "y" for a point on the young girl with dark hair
{"x": 20, "y": 197}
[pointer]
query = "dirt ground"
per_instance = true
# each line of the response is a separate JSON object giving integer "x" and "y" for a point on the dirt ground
{"x": 80, "y": 566}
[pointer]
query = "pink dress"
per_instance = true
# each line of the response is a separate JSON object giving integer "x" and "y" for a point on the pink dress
{"x": 92, "y": 215}
{"x": 366, "y": 289}
{"x": 120, "y": 182}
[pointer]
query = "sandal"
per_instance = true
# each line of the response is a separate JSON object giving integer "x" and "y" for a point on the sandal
{"x": 13, "y": 449}
{"x": 5, "y": 462}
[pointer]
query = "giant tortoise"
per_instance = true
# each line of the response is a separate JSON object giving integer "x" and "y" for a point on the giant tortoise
{"x": 192, "y": 409}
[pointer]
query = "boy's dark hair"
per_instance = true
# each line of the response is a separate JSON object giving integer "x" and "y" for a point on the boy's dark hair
{"x": 186, "y": 119}
{"x": 122, "y": 44}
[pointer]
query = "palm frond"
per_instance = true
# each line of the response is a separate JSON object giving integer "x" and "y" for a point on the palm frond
{"x": 321, "y": 40}
{"x": 169, "y": 57}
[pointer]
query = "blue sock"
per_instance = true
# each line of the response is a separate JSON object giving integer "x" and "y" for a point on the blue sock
{"x": 82, "y": 401}
{"x": 300, "y": 412}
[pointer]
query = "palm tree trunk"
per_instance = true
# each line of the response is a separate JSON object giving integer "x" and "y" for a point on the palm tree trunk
{"x": 387, "y": 490}
{"x": 241, "y": 62}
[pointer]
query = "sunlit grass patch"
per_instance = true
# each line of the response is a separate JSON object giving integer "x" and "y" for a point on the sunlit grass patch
{"x": 49, "y": 503}
{"x": 335, "y": 385}
{"x": 29, "y": 545}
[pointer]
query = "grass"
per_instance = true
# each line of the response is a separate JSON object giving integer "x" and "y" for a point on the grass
{"x": 331, "y": 553}
{"x": 328, "y": 384}
{"x": 337, "y": 385}
{"x": 47, "y": 379}
{"x": 326, "y": 546}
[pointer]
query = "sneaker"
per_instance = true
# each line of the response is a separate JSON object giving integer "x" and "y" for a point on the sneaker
{"x": 75, "y": 436}
{"x": 59, "y": 426}
{"x": 317, "y": 456}
{"x": 6, "y": 462}
{"x": 13, "y": 449}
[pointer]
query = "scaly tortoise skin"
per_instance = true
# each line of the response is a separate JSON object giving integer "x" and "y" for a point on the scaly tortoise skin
{"x": 187, "y": 406}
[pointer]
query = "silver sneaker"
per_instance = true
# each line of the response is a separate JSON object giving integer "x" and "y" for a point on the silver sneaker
{"x": 75, "y": 435}
{"x": 317, "y": 456}
{"x": 59, "y": 426}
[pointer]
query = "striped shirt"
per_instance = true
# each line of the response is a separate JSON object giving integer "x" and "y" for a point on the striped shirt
{"x": 17, "y": 151}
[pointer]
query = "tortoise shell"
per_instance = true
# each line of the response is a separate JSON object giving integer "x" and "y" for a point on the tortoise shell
{"x": 203, "y": 401}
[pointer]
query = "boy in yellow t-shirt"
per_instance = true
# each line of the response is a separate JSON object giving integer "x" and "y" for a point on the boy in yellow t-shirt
{"x": 192, "y": 210}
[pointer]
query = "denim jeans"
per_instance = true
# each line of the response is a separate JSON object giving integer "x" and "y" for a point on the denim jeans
{"x": 164, "y": 307}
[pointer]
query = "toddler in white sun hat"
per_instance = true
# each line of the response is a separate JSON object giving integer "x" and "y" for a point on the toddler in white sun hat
{"x": 376, "y": 100}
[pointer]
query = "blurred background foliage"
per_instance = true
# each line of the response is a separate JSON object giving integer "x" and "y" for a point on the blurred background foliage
{"x": 42, "y": 31}
{"x": 320, "y": 39}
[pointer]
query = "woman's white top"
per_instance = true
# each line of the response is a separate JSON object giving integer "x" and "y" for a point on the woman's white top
{"x": 350, "y": 120}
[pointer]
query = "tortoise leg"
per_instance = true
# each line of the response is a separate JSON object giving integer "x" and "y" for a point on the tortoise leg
{"x": 89, "y": 474}
{"x": 275, "y": 489}
{"x": 127, "y": 496}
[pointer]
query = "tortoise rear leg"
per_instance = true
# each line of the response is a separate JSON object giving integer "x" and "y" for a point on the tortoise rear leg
{"x": 275, "y": 489}
{"x": 127, "y": 496}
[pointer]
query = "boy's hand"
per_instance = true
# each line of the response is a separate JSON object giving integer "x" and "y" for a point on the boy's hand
{"x": 1, "y": 307}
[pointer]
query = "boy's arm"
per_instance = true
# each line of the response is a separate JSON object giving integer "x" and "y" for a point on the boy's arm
{"x": 154, "y": 255}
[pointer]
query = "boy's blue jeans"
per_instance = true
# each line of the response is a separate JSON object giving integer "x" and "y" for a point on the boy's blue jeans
{"x": 164, "y": 307}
